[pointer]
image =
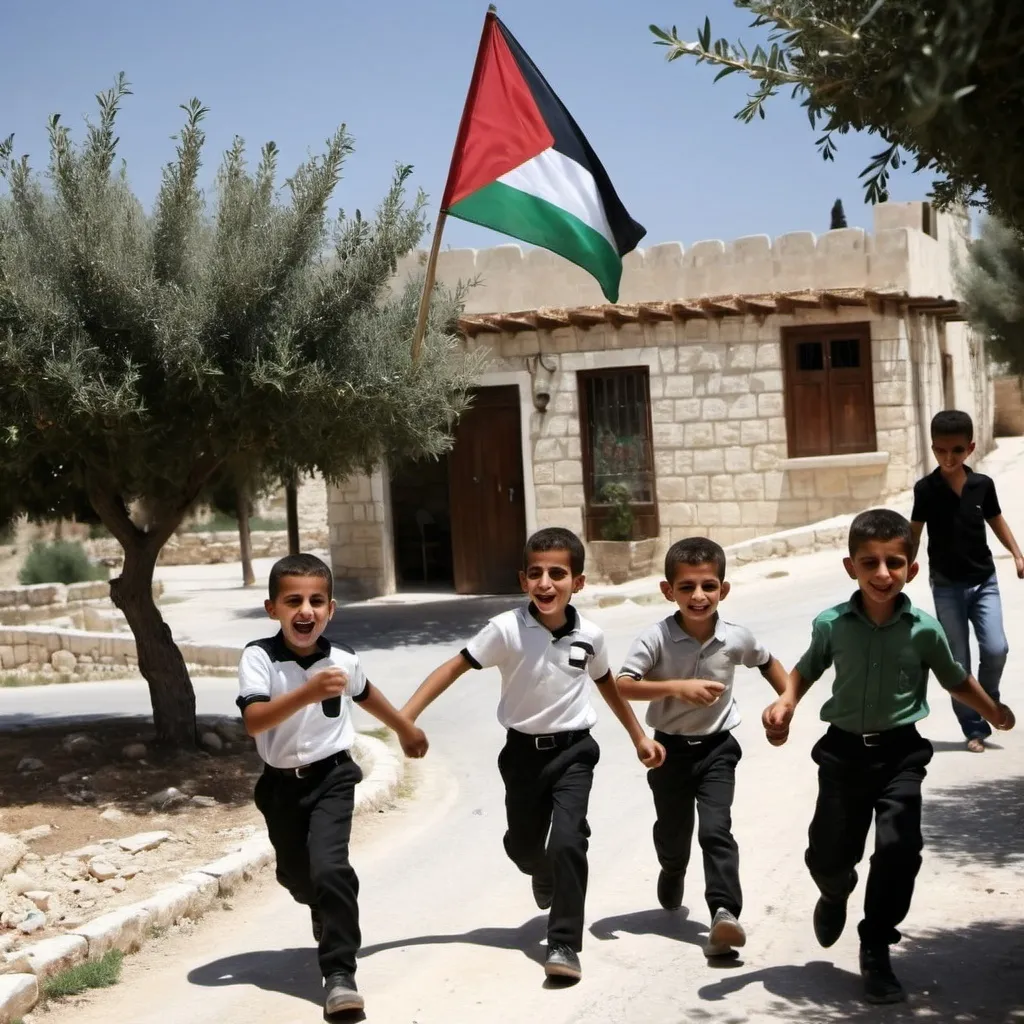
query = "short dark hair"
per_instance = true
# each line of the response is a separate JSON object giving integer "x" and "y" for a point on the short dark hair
{"x": 300, "y": 565}
{"x": 694, "y": 551}
{"x": 880, "y": 524}
{"x": 557, "y": 538}
{"x": 952, "y": 423}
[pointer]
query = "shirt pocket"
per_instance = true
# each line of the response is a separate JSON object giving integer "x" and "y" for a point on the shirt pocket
{"x": 910, "y": 673}
{"x": 580, "y": 654}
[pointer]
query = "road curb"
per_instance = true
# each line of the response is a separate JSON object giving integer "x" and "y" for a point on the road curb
{"x": 128, "y": 928}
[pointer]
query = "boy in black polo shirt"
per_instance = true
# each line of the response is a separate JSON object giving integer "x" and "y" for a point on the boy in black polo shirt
{"x": 295, "y": 690}
{"x": 547, "y": 654}
{"x": 872, "y": 760}
{"x": 955, "y": 503}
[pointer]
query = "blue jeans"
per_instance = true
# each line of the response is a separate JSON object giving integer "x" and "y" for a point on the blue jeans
{"x": 957, "y": 606}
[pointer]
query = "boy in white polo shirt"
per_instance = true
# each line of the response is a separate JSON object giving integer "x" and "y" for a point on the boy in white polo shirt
{"x": 547, "y": 654}
{"x": 684, "y": 666}
{"x": 295, "y": 690}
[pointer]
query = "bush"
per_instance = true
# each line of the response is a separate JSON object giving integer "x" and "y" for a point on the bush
{"x": 64, "y": 561}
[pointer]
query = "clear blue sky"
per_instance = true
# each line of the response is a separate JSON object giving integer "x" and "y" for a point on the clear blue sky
{"x": 396, "y": 73}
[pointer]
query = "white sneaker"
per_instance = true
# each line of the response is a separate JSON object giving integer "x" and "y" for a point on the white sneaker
{"x": 726, "y": 935}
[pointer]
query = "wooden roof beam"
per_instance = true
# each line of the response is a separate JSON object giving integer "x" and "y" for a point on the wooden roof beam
{"x": 685, "y": 310}
{"x": 585, "y": 317}
{"x": 617, "y": 315}
{"x": 721, "y": 306}
{"x": 654, "y": 312}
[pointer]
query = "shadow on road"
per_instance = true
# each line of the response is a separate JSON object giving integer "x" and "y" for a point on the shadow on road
{"x": 980, "y": 823}
{"x": 669, "y": 924}
{"x": 527, "y": 939}
{"x": 969, "y": 975}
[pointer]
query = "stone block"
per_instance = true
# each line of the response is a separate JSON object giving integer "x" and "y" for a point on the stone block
{"x": 737, "y": 460}
{"x": 714, "y": 409}
{"x": 683, "y": 461}
{"x": 19, "y": 993}
{"x": 707, "y": 460}
{"x": 698, "y": 435}
{"x": 749, "y": 486}
{"x": 662, "y": 410}
{"x": 758, "y": 513}
{"x": 723, "y": 488}
{"x": 667, "y": 435}
{"x": 734, "y": 384}
{"x": 568, "y": 472}
{"x": 679, "y": 386}
{"x": 543, "y": 472}
{"x": 664, "y": 462}
{"x": 769, "y": 356}
{"x": 122, "y": 929}
{"x": 671, "y": 489}
{"x": 890, "y": 393}
{"x": 687, "y": 410}
{"x": 766, "y": 380}
{"x": 206, "y": 887}
{"x": 777, "y": 429}
{"x": 548, "y": 496}
{"x": 767, "y": 456}
{"x": 230, "y": 871}
{"x": 727, "y": 433}
{"x": 678, "y": 513}
{"x": 573, "y": 495}
{"x": 744, "y": 407}
{"x": 698, "y": 488}
{"x": 753, "y": 432}
{"x": 51, "y": 956}
{"x": 832, "y": 483}
{"x": 741, "y": 357}
{"x": 770, "y": 404}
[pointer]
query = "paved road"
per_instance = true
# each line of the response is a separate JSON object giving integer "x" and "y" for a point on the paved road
{"x": 450, "y": 931}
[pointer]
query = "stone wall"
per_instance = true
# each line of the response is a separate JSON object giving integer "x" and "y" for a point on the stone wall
{"x": 359, "y": 521}
{"x": 87, "y": 604}
{"x": 1009, "y": 406}
{"x": 899, "y": 255}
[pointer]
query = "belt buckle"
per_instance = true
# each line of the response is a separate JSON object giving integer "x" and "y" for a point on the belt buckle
{"x": 694, "y": 743}
{"x": 301, "y": 771}
{"x": 545, "y": 742}
{"x": 872, "y": 739}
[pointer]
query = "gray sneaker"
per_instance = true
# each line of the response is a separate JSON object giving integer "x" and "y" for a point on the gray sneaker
{"x": 341, "y": 994}
{"x": 726, "y": 935}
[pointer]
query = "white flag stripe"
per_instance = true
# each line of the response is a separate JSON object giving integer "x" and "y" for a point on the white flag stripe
{"x": 555, "y": 178}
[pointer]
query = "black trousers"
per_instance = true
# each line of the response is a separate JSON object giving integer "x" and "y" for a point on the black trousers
{"x": 855, "y": 782}
{"x": 310, "y": 821}
{"x": 699, "y": 773}
{"x": 548, "y": 791}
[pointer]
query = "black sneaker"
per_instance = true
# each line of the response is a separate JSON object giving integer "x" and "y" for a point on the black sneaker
{"x": 562, "y": 962}
{"x": 318, "y": 925}
{"x": 543, "y": 889}
{"x": 341, "y": 994}
{"x": 670, "y": 889}
{"x": 880, "y": 984}
{"x": 830, "y": 917}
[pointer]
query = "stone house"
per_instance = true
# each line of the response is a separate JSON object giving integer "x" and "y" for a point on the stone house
{"x": 735, "y": 390}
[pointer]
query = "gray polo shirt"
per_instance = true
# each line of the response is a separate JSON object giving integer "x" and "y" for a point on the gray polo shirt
{"x": 666, "y": 651}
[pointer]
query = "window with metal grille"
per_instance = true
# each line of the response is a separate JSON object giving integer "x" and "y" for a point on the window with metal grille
{"x": 830, "y": 406}
{"x": 618, "y": 457}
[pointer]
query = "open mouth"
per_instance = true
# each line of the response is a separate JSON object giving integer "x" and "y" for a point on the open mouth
{"x": 698, "y": 609}
{"x": 544, "y": 600}
{"x": 304, "y": 628}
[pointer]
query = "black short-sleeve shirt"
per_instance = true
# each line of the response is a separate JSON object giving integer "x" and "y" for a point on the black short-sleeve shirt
{"x": 958, "y": 550}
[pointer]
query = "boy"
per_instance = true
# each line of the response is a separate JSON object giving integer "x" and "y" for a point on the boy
{"x": 547, "y": 654}
{"x": 684, "y": 665}
{"x": 872, "y": 759}
{"x": 954, "y": 503}
{"x": 295, "y": 690}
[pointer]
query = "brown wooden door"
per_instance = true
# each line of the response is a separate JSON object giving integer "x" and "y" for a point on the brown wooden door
{"x": 486, "y": 494}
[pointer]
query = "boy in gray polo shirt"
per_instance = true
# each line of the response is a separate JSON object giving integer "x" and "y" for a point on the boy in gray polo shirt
{"x": 684, "y": 666}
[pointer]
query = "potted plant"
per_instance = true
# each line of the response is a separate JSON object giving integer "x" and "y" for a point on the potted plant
{"x": 619, "y": 557}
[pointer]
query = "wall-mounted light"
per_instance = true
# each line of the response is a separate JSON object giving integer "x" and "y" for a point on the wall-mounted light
{"x": 542, "y": 374}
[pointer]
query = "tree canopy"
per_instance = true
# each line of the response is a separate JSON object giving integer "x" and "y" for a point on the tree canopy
{"x": 142, "y": 352}
{"x": 992, "y": 282}
{"x": 939, "y": 83}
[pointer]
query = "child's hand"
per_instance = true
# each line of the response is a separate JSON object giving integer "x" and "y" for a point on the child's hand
{"x": 776, "y": 719}
{"x": 702, "y": 692}
{"x": 1008, "y": 720}
{"x": 650, "y": 752}
{"x": 1019, "y": 563}
{"x": 413, "y": 740}
{"x": 330, "y": 682}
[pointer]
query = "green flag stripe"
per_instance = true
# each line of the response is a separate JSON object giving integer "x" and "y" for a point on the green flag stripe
{"x": 538, "y": 222}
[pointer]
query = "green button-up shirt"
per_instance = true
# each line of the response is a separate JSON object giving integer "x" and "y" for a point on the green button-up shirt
{"x": 881, "y": 671}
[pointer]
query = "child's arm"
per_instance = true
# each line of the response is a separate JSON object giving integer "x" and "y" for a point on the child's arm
{"x": 970, "y": 693}
{"x": 434, "y": 685}
{"x": 261, "y": 715}
{"x": 916, "y": 529}
{"x": 702, "y": 692}
{"x": 1001, "y": 528}
{"x": 413, "y": 739}
{"x": 776, "y": 675}
{"x": 650, "y": 752}
{"x": 808, "y": 670}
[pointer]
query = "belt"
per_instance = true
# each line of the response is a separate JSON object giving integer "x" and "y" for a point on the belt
{"x": 876, "y": 739}
{"x": 671, "y": 739}
{"x": 549, "y": 741}
{"x": 321, "y": 767}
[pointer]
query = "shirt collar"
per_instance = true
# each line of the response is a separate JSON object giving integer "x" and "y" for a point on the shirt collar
{"x": 904, "y": 609}
{"x": 677, "y": 633}
{"x": 282, "y": 652}
{"x": 572, "y": 621}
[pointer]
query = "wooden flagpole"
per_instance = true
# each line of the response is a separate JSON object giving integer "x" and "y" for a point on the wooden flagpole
{"x": 435, "y": 248}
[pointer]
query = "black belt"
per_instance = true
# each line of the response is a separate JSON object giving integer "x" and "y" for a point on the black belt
{"x": 548, "y": 741}
{"x": 321, "y": 767}
{"x": 671, "y": 739}
{"x": 886, "y": 738}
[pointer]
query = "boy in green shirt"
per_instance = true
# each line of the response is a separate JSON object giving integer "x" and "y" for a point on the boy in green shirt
{"x": 872, "y": 760}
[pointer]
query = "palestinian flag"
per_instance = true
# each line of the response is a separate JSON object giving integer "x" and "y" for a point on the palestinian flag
{"x": 523, "y": 167}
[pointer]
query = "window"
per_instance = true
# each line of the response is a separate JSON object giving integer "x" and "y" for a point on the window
{"x": 830, "y": 406}
{"x": 615, "y": 421}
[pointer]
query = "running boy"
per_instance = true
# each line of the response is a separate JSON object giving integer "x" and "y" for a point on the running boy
{"x": 547, "y": 654}
{"x": 954, "y": 503}
{"x": 871, "y": 761}
{"x": 684, "y": 665}
{"x": 295, "y": 691}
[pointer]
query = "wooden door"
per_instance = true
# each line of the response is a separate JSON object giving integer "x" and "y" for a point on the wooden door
{"x": 486, "y": 494}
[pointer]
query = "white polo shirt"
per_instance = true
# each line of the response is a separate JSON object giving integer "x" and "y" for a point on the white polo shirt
{"x": 268, "y": 669}
{"x": 545, "y": 675}
{"x": 666, "y": 651}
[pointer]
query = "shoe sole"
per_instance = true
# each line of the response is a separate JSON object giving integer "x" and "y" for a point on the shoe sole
{"x": 562, "y": 971}
{"x": 896, "y": 997}
{"x": 665, "y": 902}
{"x": 348, "y": 1001}
{"x": 727, "y": 933}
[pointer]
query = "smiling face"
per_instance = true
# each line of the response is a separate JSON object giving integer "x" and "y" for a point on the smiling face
{"x": 303, "y": 609}
{"x": 696, "y": 590}
{"x": 550, "y": 584}
{"x": 882, "y": 568}
{"x": 951, "y": 451}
